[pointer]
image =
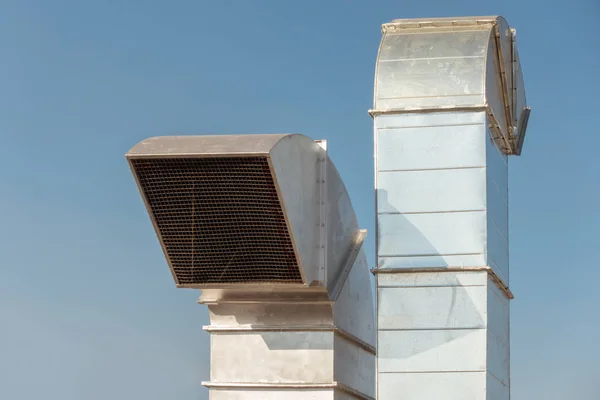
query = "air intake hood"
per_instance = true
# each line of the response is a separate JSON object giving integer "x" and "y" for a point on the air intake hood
{"x": 247, "y": 209}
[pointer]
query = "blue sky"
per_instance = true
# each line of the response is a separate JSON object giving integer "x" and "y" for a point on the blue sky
{"x": 88, "y": 309}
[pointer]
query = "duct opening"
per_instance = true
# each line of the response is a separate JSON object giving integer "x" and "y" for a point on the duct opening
{"x": 220, "y": 219}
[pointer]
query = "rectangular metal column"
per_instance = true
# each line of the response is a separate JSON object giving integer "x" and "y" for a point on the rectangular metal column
{"x": 442, "y": 248}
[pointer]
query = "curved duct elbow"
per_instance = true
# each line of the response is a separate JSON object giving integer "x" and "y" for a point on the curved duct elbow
{"x": 452, "y": 64}
{"x": 247, "y": 209}
{"x": 264, "y": 226}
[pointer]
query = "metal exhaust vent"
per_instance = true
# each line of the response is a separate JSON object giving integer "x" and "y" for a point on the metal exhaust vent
{"x": 216, "y": 206}
{"x": 263, "y": 224}
{"x": 220, "y": 219}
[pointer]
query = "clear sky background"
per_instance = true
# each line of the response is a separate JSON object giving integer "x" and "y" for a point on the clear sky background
{"x": 88, "y": 309}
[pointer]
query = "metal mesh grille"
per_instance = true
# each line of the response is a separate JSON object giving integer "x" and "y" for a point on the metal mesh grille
{"x": 220, "y": 219}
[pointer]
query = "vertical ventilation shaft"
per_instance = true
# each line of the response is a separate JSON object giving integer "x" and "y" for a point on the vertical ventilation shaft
{"x": 449, "y": 109}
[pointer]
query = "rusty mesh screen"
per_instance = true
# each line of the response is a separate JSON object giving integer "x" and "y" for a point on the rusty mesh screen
{"x": 220, "y": 219}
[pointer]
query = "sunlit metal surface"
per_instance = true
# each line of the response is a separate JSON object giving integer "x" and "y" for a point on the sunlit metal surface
{"x": 223, "y": 210}
{"x": 431, "y": 188}
{"x": 449, "y": 108}
{"x": 264, "y": 226}
{"x": 438, "y": 63}
{"x": 441, "y": 335}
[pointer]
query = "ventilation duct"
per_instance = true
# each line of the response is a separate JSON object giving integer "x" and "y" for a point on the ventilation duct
{"x": 264, "y": 226}
{"x": 454, "y": 64}
{"x": 449, "y": 108}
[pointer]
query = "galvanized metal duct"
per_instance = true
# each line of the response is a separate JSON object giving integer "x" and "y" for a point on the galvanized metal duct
{"x": 452, "y": 64}
{"x": 233, "y": 209}
{"x": 264, "y": 226}
{"x": 449, "y": 108}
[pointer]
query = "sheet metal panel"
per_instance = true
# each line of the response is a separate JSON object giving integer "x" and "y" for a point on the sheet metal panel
{"x": 497, "y": 166}
{"x": 431, "y": 191}
{"x": 405, "y": 149}
{"x": 432, "y": 308}
{"x": 432, "y": 350}
{"x": 295, "y": 161}
{"x": 498, "y": 358}
{"x": 341, "y": 223}
{"x": 205, "y": 145}
{"x": 418, "y": 337}
{"x": 431, "y": 45}
{"x": 428, "y": 69}
{"x": 497, "y": 252}
{"x": 353, "y": 309}
{"x": 239, "y": 314}
{"x": 429, "y": 385}
{"x": 431, "y": 234}
{"x": 498, "y": 311}
{"x": 496, "y": 390}
{"x": 272, "y": 357}
{"x": 497, "y": 210}
{"x": 421, "y": 82}
{"x": 354, "y": 365}
{"x": 498, "y": 339}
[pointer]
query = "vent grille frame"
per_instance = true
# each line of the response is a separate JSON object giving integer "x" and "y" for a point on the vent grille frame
{"x": 296, "y": 283}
